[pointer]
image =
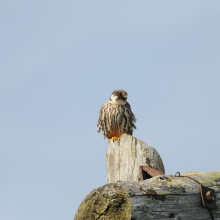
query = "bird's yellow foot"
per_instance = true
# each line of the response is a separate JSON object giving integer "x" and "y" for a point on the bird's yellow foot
{"x": 114, "y": 138}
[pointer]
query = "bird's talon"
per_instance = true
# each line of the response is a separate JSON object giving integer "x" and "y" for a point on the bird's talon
{"x": 114, "y": 138}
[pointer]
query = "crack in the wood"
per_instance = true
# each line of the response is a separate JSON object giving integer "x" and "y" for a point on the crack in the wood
{"x": 132, "y": 171}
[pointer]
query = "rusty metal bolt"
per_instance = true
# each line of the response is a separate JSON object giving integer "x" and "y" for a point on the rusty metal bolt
{"x": 210, "y": 196}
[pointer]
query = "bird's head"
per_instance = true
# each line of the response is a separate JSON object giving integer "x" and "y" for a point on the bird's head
{"x": 119, "y": 97}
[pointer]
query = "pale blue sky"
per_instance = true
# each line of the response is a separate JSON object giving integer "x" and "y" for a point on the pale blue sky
{"x": 61, "y": 60}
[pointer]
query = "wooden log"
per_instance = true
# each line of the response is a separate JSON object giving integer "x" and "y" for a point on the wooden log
{"x": 124, "y": 158}
{"x": 161, "y": 197}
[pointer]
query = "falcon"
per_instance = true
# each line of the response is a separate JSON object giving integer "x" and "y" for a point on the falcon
{"x": 116, "y": 116}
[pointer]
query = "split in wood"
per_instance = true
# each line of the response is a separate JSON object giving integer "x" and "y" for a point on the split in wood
{"x": 148, "y": 172}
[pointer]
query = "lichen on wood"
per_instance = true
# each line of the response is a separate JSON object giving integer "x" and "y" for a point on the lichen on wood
{"x": 107, "y": 202}
{"x": 161, "y": 197}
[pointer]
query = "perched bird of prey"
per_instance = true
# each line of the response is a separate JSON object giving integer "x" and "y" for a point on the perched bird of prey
{"x": 116, "y": 117}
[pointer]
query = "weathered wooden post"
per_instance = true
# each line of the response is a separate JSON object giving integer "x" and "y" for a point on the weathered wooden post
{"x": 124, "y": 158}
{"x": 160, "y": 197}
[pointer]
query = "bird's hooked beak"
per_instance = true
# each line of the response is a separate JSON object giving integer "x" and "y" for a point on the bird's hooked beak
{"x": 124, "y": 95}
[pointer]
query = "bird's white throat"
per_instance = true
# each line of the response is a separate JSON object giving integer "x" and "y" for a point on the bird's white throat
{"x": 117, "y": 102}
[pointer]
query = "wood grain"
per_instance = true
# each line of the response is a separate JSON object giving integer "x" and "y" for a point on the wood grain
{"x": 124, "y": 158}
{"x": 161, "y": 197}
